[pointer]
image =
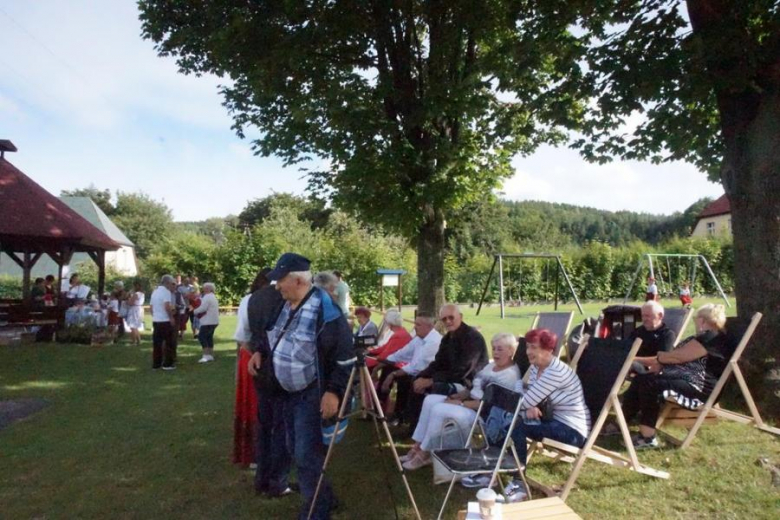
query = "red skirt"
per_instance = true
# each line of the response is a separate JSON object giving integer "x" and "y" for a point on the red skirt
{"x": 245, "y": 415}
{"x": 686, "y": 299}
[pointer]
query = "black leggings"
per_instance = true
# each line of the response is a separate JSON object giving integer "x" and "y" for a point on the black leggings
{"x": 645, "y": 396}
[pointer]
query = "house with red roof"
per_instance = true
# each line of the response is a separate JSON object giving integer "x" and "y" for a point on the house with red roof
{"x": 714, "y": 219}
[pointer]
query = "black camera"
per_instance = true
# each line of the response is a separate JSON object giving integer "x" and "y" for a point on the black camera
{"x": 364, "y": 342}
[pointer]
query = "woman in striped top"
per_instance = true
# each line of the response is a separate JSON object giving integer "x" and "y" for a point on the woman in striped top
{"x": 554, "y": 381}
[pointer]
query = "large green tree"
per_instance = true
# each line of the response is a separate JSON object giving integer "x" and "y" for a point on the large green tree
{"x": 415, "y": 108}
{"x": 702, "y": 79}
{"x": 144, "y": 220}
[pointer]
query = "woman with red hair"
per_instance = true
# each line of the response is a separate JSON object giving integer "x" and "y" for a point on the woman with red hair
{"x": 553, "y": 388}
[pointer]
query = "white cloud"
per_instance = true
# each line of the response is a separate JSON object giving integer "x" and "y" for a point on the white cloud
{"x": 560, "y": 175}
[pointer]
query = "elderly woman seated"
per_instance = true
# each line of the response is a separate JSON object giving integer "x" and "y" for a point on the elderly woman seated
{"x": 553, "y": 407}
{"x": 399, "y": 338}
{"x": 690, "y": 371}
{"x": 461, "y": 408}
{"x": 366, "y": 327}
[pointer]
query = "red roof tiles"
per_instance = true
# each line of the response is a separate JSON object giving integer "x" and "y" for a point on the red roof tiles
{"x": 721, "y": 206}
{"x": 29, "y": 213}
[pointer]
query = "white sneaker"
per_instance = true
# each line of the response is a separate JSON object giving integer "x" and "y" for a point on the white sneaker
{"x": 417, "y": 462}
{"x": 204, "y": 359}
{"x": 409, "y": 455}
{"x": 209, "y": 358}
{"x": 172, "y": 367}
{"x": 515, "y": 491}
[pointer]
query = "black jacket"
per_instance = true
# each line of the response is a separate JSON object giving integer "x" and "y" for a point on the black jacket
{"x": 462, "y": 353}
{"x": 263, "y": 308}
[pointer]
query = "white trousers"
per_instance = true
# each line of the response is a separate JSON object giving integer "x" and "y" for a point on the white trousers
{"x": 435, "y": 413}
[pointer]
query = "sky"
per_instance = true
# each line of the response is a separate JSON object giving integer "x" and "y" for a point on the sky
{"x": 87, "y": 101}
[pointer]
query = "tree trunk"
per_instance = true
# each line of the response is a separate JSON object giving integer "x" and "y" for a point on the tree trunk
{"x": 750, "y": 126}
{"x": 751, "y": 177}
{"x": 430, "y": 264}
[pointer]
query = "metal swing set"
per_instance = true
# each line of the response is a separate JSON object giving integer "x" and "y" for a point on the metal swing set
{"x": 560, "y": 270}
{"x": 656, "y": 271}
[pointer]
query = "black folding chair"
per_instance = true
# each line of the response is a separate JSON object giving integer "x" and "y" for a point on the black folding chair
{"x": 488, "y": 459}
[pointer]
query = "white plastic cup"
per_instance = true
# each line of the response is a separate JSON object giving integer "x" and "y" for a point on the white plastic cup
{"x": 487, "y": 503}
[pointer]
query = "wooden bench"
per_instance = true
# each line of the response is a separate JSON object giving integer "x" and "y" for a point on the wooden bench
{"x": 544, "y": 508}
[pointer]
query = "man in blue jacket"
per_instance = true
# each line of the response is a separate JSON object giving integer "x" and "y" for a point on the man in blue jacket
{"x": 312, "y": 356}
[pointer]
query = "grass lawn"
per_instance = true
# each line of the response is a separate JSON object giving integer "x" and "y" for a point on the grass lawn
{"x": 120, "y": 440}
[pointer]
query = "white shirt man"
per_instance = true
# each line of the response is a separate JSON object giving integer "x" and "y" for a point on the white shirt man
{"x": 418, "y": 353}
{"x": 163, "y": 306}
{"x": 160, "y": 297}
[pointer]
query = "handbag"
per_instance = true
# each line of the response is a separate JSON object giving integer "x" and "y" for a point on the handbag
{"x": 546, "y": 407}
{"x": 451, "y": 437}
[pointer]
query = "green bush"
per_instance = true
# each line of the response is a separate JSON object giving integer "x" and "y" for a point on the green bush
{"x": 10, "y": 287}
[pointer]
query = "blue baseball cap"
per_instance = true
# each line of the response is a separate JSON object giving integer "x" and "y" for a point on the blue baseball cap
{"x": 288, "y": 263}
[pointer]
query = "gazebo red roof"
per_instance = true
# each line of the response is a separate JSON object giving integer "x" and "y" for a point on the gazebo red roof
{"x": 721, "y": 206}
{"x": 31, "y": 215}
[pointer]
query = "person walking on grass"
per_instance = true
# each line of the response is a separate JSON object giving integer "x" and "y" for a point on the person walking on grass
{"x": 208, "y": 313}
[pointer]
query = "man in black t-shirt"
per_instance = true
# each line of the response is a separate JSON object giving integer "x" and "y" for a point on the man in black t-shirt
{"x": 653, "y": 332}
{"x": 656, "y": 337}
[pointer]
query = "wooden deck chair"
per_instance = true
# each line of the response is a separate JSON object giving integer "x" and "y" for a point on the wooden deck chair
{"x": 606, "y": 362}
{"x": 557, "y": 322}
{"x": 490, "y": 460}
{"x": 677, "y": 320}
{"x": 695, "y": 413}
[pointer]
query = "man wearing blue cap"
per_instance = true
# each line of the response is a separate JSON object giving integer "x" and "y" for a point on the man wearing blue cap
{"x": 311, "y": 351}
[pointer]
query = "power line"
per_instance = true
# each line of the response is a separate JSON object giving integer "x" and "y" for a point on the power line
{"x": 58, "y": 59}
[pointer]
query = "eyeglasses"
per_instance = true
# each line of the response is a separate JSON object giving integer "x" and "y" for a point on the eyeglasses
{"x": 447, "y": 318}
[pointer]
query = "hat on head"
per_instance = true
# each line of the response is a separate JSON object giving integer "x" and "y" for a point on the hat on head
{"x": 289, "y": 263}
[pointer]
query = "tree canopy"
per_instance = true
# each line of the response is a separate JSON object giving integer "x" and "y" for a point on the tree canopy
{"x": 414, "y": 108}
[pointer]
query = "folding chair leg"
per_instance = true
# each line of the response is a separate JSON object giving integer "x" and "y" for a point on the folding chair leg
{"x": 446, "y": 498}
{"x": 521, "y": 470}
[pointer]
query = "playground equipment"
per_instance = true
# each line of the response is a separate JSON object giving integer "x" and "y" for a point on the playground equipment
{"x": 668, "y": 288}
{"x": 559, "y": 270}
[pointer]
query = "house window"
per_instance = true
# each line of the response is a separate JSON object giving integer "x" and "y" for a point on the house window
{"x": 710, "y": 228}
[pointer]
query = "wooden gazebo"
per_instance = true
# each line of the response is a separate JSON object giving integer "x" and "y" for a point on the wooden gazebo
{"x": 33, "y": 222}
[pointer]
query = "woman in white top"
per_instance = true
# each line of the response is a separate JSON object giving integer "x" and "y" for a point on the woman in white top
{"x": 135, "y": 313}
{"x": 208, "y": 312}
{"x": 461, "y": 407}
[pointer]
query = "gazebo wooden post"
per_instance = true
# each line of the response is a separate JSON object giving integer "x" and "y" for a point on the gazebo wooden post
{"x": 66, "y": 255}
{"x": 26, "y": 277}
{"x": 101, "y": 255}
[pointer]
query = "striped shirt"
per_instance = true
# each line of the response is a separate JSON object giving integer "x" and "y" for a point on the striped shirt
{"x": 563, "y": 387}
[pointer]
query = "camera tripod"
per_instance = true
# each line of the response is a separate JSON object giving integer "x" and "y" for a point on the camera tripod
{"x": 366, "y": 385}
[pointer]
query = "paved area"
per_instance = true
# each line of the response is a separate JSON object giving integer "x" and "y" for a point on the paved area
{"x": 17, "y": 409}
